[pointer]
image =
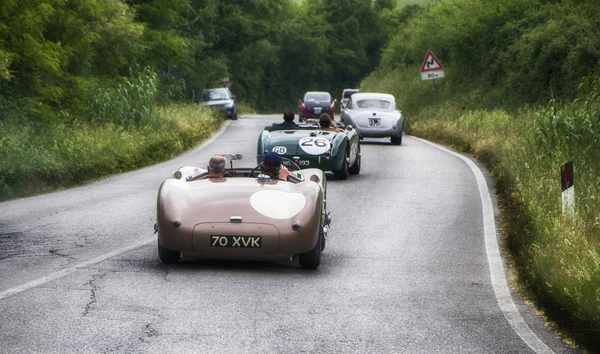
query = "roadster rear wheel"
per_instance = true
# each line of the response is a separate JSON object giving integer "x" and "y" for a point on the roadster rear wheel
{"x": 396, "y": 141}
{"x": 342, "y": 173}
{"x": 355, "y": 169}
{"x": 312, "y": 258}
{"x": 167, "y": 256}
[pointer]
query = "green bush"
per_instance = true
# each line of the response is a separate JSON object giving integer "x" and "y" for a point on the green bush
{"x": 38, "y": 158}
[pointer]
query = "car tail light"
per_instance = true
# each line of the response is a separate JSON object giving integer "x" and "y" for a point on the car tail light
{"x": 177, "y": 223}
{"x": 295, "y": 226}
{"x": 327, "y": 156}
{"x": 303, "y": 110}
{"x": 331, "y": 110}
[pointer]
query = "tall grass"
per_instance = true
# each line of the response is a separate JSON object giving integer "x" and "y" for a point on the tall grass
{"x": 130, "y": 103}
{"x": 38, "y": 158}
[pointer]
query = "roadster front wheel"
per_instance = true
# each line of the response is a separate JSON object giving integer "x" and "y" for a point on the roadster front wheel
{"x": 167, "y": 256}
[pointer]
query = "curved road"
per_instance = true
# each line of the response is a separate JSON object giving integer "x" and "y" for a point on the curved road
{"x": 408, "y": 268}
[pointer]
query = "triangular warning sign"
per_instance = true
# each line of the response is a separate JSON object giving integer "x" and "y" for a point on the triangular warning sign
{"x": 431, "y": 63}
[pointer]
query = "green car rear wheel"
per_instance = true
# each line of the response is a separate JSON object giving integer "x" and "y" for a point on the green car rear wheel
{"x": 343, "y": 172}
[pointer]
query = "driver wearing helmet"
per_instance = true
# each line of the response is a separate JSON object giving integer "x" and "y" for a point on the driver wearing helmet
{"x": 272, "y": 166}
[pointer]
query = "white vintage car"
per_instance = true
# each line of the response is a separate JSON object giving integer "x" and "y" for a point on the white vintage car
{"x": 374, "y": 115}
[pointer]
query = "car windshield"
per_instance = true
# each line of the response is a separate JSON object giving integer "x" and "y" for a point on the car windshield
{"x": 373, "y": 103}
{"x": 293, "y": 168}
{"x": 214, "y": 95}
{"x": 317, "y": 97}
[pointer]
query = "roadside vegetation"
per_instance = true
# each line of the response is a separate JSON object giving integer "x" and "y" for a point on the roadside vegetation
{"x": 95, "y": 87}
{"x": 521, "y": 94}
{"x": 39, "y": 157}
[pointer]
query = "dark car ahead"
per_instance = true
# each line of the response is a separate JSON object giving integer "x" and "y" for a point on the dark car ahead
{"x": 220, "y": 99}
{"x": 346, "y": 93}
{"x": 315, "y": 103}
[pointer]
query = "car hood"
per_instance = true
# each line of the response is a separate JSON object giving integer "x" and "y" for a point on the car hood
{"x": 206, "y": 200}
{"x": 387, "y": 118}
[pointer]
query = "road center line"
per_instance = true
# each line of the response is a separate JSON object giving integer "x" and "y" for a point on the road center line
{"x": 66, "y": 271}
{"x": 498, "y": 277}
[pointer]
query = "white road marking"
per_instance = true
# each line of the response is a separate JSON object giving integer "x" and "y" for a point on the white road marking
{"x": 61, "y": 273}
{"x": 66, "y": 271}
{"x": 498, "y": 277}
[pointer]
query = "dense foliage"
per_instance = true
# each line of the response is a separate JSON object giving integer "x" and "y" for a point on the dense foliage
{"x": 83, "y": 83}
{"x": 522, "y": 93}
{"x": 56, "y": 55}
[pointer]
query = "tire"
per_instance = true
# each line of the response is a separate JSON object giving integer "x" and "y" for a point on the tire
{"x": 167, "y": 256}
{"x": 355, "y": 168}
{"x": 396, "y": 141}
{"x": 342, "y": 174}
{"x": 312, "y": 258}
{"x": 235, "y": 116}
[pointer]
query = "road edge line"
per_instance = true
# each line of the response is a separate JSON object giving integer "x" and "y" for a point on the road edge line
{"x": 65, "y": 271}
{"x": 497, "y": 273}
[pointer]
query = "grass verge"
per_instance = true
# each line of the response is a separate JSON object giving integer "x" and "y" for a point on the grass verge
{"x": 38, "y": 157}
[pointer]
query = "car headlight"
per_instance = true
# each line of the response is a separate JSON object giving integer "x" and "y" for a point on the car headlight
{"x": 229, "y": 105}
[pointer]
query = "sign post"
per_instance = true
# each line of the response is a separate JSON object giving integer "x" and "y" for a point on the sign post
{"x": 567, "y": 183}
{"x": 432, "y": 69}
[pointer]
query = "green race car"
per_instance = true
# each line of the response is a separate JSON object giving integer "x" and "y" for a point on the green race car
{"x": 310, "y": 147}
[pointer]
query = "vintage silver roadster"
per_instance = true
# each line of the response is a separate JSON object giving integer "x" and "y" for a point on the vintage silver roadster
{"x": 246, "y": 215}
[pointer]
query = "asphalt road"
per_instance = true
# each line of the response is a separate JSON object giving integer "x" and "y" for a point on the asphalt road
{"x": 409, "y": 267}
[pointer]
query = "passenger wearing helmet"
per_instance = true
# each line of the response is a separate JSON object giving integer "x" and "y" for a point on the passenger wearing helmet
{"x": 272, "y": 166}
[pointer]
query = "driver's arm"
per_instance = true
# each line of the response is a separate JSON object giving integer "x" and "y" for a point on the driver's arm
{"x": 284, "y": 173}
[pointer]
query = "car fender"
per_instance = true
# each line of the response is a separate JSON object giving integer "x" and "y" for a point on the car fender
{"x": 348, "y": 119}
{"x": 400, "y": 122}
{"x": 354, "y": 142}
{"x": 263, "y": 143}
{"x": 338, "y": 149}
